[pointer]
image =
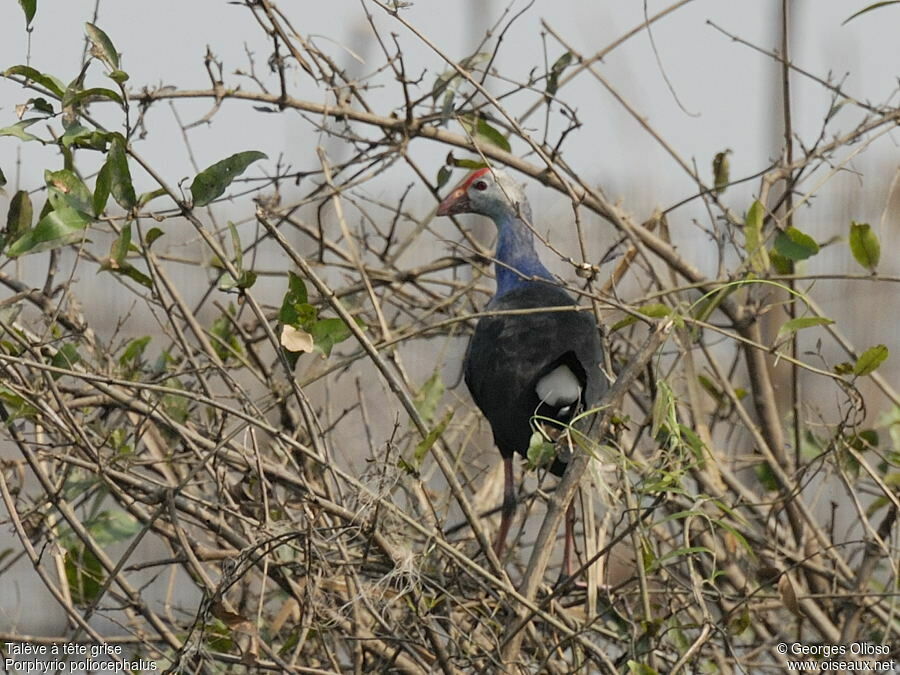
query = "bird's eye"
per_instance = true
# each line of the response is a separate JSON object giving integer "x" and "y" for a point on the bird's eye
{"x": 480, "y": 185}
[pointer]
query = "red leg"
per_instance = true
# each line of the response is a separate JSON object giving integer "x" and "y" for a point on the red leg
{"x": 509, "y": 506}
{"x": 569, "y": 544}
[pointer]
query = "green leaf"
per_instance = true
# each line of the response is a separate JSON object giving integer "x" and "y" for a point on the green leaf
{"x": 299, "y": 314}
{"x": 487, "y": 132}
{"x": 81, "y": 137}
{"x": 84, "y": 574}
{"x": 870, "y": 359}
{"x": 118, "y": 174}
{"x": 67, "y": 189}
{"x": 441, "y": 83}
{"x": 295, "y": 295}
{"x": 151, "y": 236}
{"x": 446, "y": 108}
{"x": 18, "y": 407}
{"x": 711, "y": 388}
{"x": 472, "y": 164}
{"x": 739, "y": 623}
{"x": 147, "y": 197}
{"x": 101, "y": 46}
{"x": 2, "y": 178}
{"x": 679, "y": 552}
{"x": 540, "y": 451}
{"x": 326, "y": 333}
{"x": 120, "y": 247}
{"x": 59, "y": 227}
{"x": 66, "y": 357}
{"x": 865, "y": 440}
{"x": 448, "y": 77}
{"x": 794, "y": 325}
{"x": 133, "y": 351}
{"x": 29, "y": 7}
{"x": 623, "y": 323}
{"x": 49, "y": 82}
{"x": 227, "y": 343}
{"x": 126, "y": 269}
{"x": 795, "y": 245}
{"x": 653, "y": 310}
{"x": 757, "y": 255}
{"x": 663, "y": 410}
{"x": 694, "y": 442}
{"x": 710, "y": 302}
{"x": 443, "y": 176}
{"x": 109, "y": 527}
{"x": 214, "y": 180}
{"x": 721, "y": 171}
{"x": 42, "y": 105}
{"x": 843, "y": 368}
{"x": 864, "y": 245}
{"x": 475, "y": 60}
{"x": 482, "y": 132}
{"x": 48, "y": 207}
{"x": 93, "y": 94}
{"x": 766, "y": 476}
{"x": 102, "y": 187}
{"x": 118, "y": 76}
{"x": 781, "y": 264}
{"x": 228, "y": 283}
{"x": 177, "y": 406}
{"x": 423, "y": 446}
{"x": 429, "y": 396}
{"x": 73, "y": 131}
{"x": 635, "y": 668}
{"x": 864, "y": 10}
{"x": 555, "y": 71}
{"x": 562, "y": 63}
{"x": 237, "y": 247}
{"x": 72, "y": 89}
{"x": 218, "y": 637}
{"x": 407, "y": 468}
{"x": 18, "y": 130}
{"x": 305, "y": 315}
{"x": 19, "y": 216}
{"x": 246, "y": 280}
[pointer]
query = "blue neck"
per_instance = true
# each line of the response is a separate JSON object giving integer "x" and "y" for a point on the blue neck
{"x": 517, "y": 261}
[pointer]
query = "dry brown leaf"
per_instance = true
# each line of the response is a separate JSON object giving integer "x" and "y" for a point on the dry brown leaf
{"x": 788, "y": 594}
{"x": 295, "y": 340}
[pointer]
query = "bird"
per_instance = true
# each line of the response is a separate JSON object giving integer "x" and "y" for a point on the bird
{"x": 531, "y": 367}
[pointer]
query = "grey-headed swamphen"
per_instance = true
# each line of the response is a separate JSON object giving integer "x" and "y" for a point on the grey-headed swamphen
{"x": 527, "y": 367}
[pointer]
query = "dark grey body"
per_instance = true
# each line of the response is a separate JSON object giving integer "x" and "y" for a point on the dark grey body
{"x": 508, "y": 354}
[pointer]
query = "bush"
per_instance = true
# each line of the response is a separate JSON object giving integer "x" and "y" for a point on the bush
{"x": 264, "y": 460}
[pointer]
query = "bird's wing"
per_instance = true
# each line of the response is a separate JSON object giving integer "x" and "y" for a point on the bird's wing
{"x": 515, "y": 362}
